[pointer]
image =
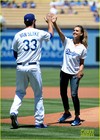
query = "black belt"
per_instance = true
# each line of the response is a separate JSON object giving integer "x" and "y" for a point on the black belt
{"x": 31, "y": 63}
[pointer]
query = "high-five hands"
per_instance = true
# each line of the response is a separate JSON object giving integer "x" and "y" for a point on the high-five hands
{"x": 50, "y": 17}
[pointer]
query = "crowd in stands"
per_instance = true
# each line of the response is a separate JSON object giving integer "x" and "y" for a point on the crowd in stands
{"x": 93, "y": 4}
{"x": 67, "y": 2}
{"x": 63, "y": 4}
{"x": 94, "y": 7}
{"x": 13, "y": 4}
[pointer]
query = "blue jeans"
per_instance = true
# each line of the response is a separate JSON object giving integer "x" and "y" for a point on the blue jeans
{"x": 74, "y": 84}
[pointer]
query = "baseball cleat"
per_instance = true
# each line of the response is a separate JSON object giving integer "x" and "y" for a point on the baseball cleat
{"x": 14, "y": 121}
{"x": 64, "y": 117}
{"x": 76, "y": 122}
{"x": 40, "y": 126}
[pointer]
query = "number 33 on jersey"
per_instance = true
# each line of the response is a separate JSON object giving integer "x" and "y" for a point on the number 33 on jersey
{"x": 29, "y": 42}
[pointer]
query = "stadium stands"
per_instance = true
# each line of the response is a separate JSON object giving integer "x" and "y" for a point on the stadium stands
{"x": 14, "y": 16}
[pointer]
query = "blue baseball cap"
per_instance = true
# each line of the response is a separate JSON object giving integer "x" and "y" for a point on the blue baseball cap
{"x": 29, "y": 17}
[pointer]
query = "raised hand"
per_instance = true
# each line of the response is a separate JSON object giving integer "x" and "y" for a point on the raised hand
{"x": 48, "y": 17}
{"x": 54, "y": 18}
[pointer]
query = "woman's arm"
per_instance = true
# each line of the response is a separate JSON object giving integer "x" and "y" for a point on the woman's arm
{"x": 62, "y": 36}
{"x": 80, "y": 72}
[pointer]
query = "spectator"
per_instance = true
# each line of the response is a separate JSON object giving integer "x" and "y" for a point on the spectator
{"x": 72, "y": 3}
{"x": 66, "y": 3}
{"x": 2, "y": 23}
{"x": 9, "y": 5}
{"x": 32, "y": 4}
{"x": 96, "y": 16}
{"x": 93, "y": 7}
{"x": 53, "y": 10}
{"x": 14, "y": 5}
{"x": 71, "y": 10}
{"x": 79, "y": 3}
{"x": 85, "y": 3}
{"x": 6, "y": 3}
{"x": 24, "y": 4}
{"x": 3, "y": 4}
{"x": 62, "y": 11}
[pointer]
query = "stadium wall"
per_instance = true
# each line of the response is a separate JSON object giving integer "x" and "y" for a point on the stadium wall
{"x": 52, "y": 52}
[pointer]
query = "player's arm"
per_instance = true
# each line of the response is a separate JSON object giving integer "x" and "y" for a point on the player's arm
{"x": 50, "y": 28}
{"x": 50, "y": 25}
{"x": 14, "y": 44}
{"x": 62, "y": 36}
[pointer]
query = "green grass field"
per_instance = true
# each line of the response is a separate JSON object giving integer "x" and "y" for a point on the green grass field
{"x": 52, "y": 132}
{"x": 50, "y": 77}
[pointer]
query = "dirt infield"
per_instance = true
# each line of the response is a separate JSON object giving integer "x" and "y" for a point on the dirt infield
{"x": 51, "y": 92}
{"x": 89, "y": 117}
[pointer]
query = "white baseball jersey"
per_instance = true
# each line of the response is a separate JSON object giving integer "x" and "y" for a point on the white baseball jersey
{"x": 27, "y": 43}
{"x": 72, "y": 55}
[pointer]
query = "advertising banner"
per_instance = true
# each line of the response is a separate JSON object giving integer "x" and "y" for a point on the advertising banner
{"x": 52, "y": 51}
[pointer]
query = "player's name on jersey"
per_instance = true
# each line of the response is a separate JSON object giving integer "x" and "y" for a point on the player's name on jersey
{"x": 29, "y": 34}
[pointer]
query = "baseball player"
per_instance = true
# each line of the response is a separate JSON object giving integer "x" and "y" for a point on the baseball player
{"x": 75, "y": 52}
{"x": 27, "y": 51}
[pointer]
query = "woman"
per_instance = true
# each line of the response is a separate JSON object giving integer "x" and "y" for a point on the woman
{"x": 72, "y": 68}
